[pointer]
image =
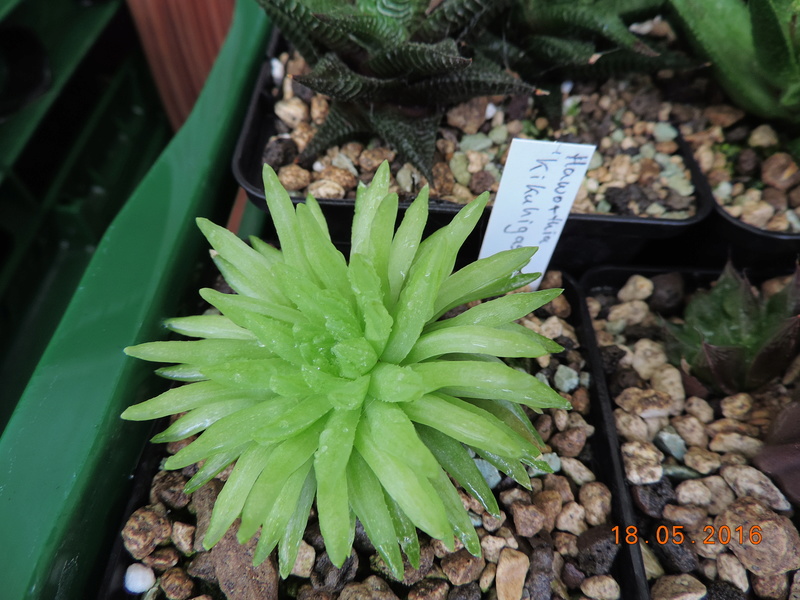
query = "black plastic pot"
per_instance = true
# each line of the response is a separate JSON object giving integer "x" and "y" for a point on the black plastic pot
{"x": 587, "y": 239}
{"x": 608, "y": 280}
{"x": 604, "y": 460}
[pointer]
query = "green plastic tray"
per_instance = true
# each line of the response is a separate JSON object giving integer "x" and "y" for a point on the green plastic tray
{"x": 65, "y": 456}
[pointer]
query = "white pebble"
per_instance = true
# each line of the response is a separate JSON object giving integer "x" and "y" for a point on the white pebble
{"x": 139, "y": 578}
{"x": 491, "y": 110}
{"x": 276, "y": 69}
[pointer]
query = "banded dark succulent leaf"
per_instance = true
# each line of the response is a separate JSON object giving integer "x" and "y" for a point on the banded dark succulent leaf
{"x": 419, "y": 59}
{"x": 731, "y": 339}
{"x": 333, "y": 381}
{"x": 599, "y": 18}
{"x": 457, "y": 18}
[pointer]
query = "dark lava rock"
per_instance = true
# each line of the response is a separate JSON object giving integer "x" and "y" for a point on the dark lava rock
{"x": 623, "y": 379}
{"x": 668, "y": 294}
{"x": 675, "y": 558}
{"x": 738, "y": 134}
{"x": 279, "y": 151}
{"x": 571, "y": 575}
{"x": 597, "y": 550}
{"x": 722, "y": 590}
{"x": 541, "y": 555}
{"x": 747, "y": 163}
{"x": 537, "y": 584}
{"x": 517, "y": 107}
{"x": 327, "y": 577}
{"x": 652, "y": 498}
{"x": 470, "y": 591}
{"x": 610, "y": 356}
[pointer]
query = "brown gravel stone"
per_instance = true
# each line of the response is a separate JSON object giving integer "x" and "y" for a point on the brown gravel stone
{"x": 559, "y": 483}
{"x": 372, "y": 588}
{"x": 372, "y": 158}
{"x": 569, "y": 442}
{"x": 565, "y": 543}
{"x": 693, "y": 492}
{"x": 721, "y": 494}
{"x": 512, "y": 570}
{"x": 146, "y": 528}
{"x": 468, "y": 116}
{"x": 545, "y": 426}
{"x": 700, "y": 409}
{"x": 491, "y": 523}
{"x": 491, "y": 545}
{"x": 429, "y": 589}
{"x": 737, "y": 406}
{"x": 162, "y": 559}
{"x": 572, "y": 518}
{"x": 294, "y": 177}
{"x": 167, "y": 487}
{"x": 779, "y": 547}
{"x": 691, "y": 430}
{"x": 735, "y": 442}
{"x": 548, "y": 502}
{"x": 601, "y": 587}
{"x": 528, "y": 519}
{"x": 443, "y": 180}
{"x": 701, "y": 460}
{"x": 343, "y": 177}
{"x": 771, "y": 587}
{"x": 238, "y": 578}
{"x": 596, "y": 499}
{"x": 678, "y": 587}
{"x": 690, "y": 517}
{"x": 723, "y": 115}
{"x": 183, "y": 537}
{"x": 748, "y": 481}
{"x": 644, "y": 403}
{"x": 461, "y": 567}
{"x": 780, "y": 171}
{"x": 177, "y": 584}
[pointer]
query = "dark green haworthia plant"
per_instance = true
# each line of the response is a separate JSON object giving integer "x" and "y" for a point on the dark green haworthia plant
{"x": 731, "y": 339}
{"x": 753, "y": 48}
{"x": 392, "y": 67}
{"x": 337, "y": 381}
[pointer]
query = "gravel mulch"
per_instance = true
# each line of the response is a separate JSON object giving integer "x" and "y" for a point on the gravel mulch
{"x": 637, "y": 171}
{"x": 689, "y": 460}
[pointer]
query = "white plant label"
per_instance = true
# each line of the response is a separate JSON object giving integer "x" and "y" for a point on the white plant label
{"x": 539, "y": 184}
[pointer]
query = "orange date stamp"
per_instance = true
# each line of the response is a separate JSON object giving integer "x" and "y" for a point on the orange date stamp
{"x": 674, "y": 535}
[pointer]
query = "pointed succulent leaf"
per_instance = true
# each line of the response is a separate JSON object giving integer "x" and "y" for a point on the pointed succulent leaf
{"x": 209, "y": 327}
{"x": 414, "y": 137}
{"x": 234, "y": 494}
{"x": 289, "y": 545}
{"x": 480, "y": 78}
{"x": 774, "y": 49}
{"x": 310, "y": 35}
{"x": 369, "y": 505}
{"x": 405, "y": 530}
{"x": 405, "y": 244}
{"x": 371, "y": 32}
{"x": 560, "y": 51}
{"x": 418, "y": 60}
{"x": 456, "y": 18}
{"x": 512, "y": 468}
{"x": 488, "y": 380}
{"x": 499, "y": 311}
{"x": 775, "y": 354}
{"x": 597, "y": 18}
{"x": 330, "y": 465}
{"x": 332, "y": 77}
{"x": 342, "y": 123}
{"x": 730, "y": 48}
{"x": 455, "y": 459}
{"x": 276, "y": 524}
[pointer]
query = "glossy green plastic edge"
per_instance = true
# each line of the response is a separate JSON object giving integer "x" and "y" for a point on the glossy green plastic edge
{"x": 66, "y": 456}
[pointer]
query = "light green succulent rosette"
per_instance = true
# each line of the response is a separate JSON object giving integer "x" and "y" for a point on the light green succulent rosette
{"x": 337, "y": 382}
